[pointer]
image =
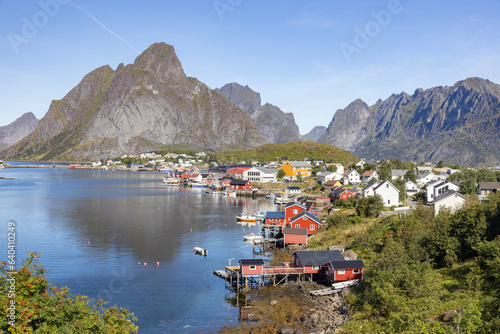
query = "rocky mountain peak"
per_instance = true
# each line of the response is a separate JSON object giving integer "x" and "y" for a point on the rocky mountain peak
{"x": 160, "y": 59}
{"x": 17, "y": 130}
{"x": 243, "y": 97}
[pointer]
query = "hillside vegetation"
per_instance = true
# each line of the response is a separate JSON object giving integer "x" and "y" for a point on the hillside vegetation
{"x": 424, "y": 274}
{"x": 298, "y": 150}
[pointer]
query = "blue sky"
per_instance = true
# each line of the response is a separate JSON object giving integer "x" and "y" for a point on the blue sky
{"x": 306, "y": 57}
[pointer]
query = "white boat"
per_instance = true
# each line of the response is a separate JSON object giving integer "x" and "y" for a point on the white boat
{"x": 198, "y": 185}
{"x": 201, "y": 251}
{"x": 170, "y": 181}
{"x": 252, "y": 237}
{"x": 246, "y": 218}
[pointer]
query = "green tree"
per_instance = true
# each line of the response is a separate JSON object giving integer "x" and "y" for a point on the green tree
{"x": 299, "y": 177}
{"x": 369, "y": 206}
{"x": 440, "y": 164}
{"x": 280, "y": 174}
{"x": 43, "y": 308}
{"x": 410, "y": 175}
{"x": 468, "y": 186}
{"x": 332, "y": 168}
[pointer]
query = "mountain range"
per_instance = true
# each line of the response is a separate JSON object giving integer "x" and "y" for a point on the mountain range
{"x": 17, "y": 130}
{"x": 458, "y": 124}
{"x": 152, "y": 105}
{"x": 275, "y": 125}
{"x": 148, "y": 105}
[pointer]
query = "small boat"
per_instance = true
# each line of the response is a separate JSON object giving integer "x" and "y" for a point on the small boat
{"x": 260, "y": 215}
{"x": 246, "y": 218}
{"x": 201, "y": 251}
{"x": 253, "y": 237}
{"x": 170, "y": 181}
{"x": 198, "y": 185}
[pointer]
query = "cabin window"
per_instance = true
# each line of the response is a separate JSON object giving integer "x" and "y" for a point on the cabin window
{"x": 305, "y": 218}
{"x": 315, "y": 267}
{"x": 388, "y": 201}
{"x": 340, "y": 272}
{"x": 294, "y": 211}
{"x": 355, "y": 271}
{"x": 312, "y": 227}
{"x": 252, "y": 267}
{"x": 297, "y": 225}
{"x": 271, "y": 219}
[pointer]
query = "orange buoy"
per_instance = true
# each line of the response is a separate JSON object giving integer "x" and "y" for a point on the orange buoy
{"x": 157, "y": 263}
{"x": 144, "y": 263}
{"x": 191, "y": 230}
{"x": 88, "y": 242}
{"x": 193, "y": 250}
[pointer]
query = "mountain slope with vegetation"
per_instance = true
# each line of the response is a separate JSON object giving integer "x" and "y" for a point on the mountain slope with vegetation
{"x": 288, "y": 151}
{"x": 424, "y": 274}
{"x": 459, "y": 124}
{"x": 17, "y": 130}
{"x": 148, "y": 105}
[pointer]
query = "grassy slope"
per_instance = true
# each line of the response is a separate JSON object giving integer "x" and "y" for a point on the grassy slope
{"x": 289, "y": 151}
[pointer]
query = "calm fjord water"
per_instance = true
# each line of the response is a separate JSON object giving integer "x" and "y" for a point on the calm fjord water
{"x": 94, "y": 227}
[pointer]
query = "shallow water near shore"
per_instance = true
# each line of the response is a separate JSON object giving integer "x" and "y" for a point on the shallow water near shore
{"x": 95, "y": 227}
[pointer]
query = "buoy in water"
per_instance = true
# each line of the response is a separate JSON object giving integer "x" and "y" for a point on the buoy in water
{"x": 191, "y": 230}
{"x": 88, "y": 242}
{"x": 157, "y": 263}
{"x": 144, "y": 263}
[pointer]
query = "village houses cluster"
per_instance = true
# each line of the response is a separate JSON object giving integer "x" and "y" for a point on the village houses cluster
{"x": 339, "y": 182}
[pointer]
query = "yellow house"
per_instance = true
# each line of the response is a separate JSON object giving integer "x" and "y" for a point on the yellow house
{"x": 294, "y": 168}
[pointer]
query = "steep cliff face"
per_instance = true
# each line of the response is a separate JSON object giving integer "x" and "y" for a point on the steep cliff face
{"x": 457, "y": 124}
{"x": 148, "y": 105}
{"x": 17, "y": 130}
{"x": 275, "y": 125}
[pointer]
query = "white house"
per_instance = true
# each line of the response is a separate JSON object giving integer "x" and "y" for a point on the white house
{"x": 411, "y": 187}
{"x": 260, "y": 174}
{"x": 425, "y": 178}
{"x": 325, "y": 176}
{"x": 423, "y": 169}
{"x": 340, "y": 167}
{"x": 486, "y": 188}
{"x": 386, "y": 190}
{"x": 370, "y": 175}
{"x": 352, "y": 177}
{"x": 438, "y": 188}
{"x": 397, "y": 174}
{"x": 292, "y": 190}
{"x": 451, "y": 199}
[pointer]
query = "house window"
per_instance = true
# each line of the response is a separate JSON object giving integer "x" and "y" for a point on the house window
{"x": 355, "y": 271}
{"x": 388, "y": 201}
{"x": 252, "y": 267}
{"x": 387, "y": 185}
{"x": 304, "y": 218}
{"x": 297, "y": 225}
{"x": 340, "y": 272}
{"x": 294, "y": 211}
{"x": 312, "y": 227}
{"x": 315, "y": 267}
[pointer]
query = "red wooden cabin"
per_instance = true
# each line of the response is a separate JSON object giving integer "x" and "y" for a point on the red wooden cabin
{"x": 345, "y": 270}
{"x": 295, "y": 236}
{"x": 241, "y": 185}
{"x": 314, "y": 262}
{"x": 292, "y": 209}
{"x": 307, "y": 220}
{"x": 251, "y": 267}
{"x": 275, "y": 218}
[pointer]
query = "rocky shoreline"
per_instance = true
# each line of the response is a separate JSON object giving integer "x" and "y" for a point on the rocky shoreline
{"x": 291, "y": 309}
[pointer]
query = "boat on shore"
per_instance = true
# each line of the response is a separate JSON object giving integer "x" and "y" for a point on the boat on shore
{"x": 201, "y": 251}
{"x": 246, "y": 218}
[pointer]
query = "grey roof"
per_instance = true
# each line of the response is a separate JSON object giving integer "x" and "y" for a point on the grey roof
{"x": 347, "y": 264}
{"x": 252, "y": 262}
{"x": 289, "y": 204}
{"x": 297, "y": 231}
{"x": 299, "y": 164}
{"x": 380, "y": 183}
{"x": 398, "y": 172}
{"x": 446, "y": 195}
{"x": 267, "y": 170}
{"x": 312, "y": 216}
{"x": 489, "y": 185}
{"x": 318, "y": 258}
{"x": 293, "y": 188}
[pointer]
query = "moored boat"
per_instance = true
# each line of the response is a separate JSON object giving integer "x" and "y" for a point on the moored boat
{"x": 201, "y": 251}
{"x": 246, "y": 218}
{"x": 253, "y": 237}
{"x": 170, "y": 181}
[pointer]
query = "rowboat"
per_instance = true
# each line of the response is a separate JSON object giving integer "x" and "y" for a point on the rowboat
{"x": 201, "y": 251}
{"x": 252, "y": 237}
